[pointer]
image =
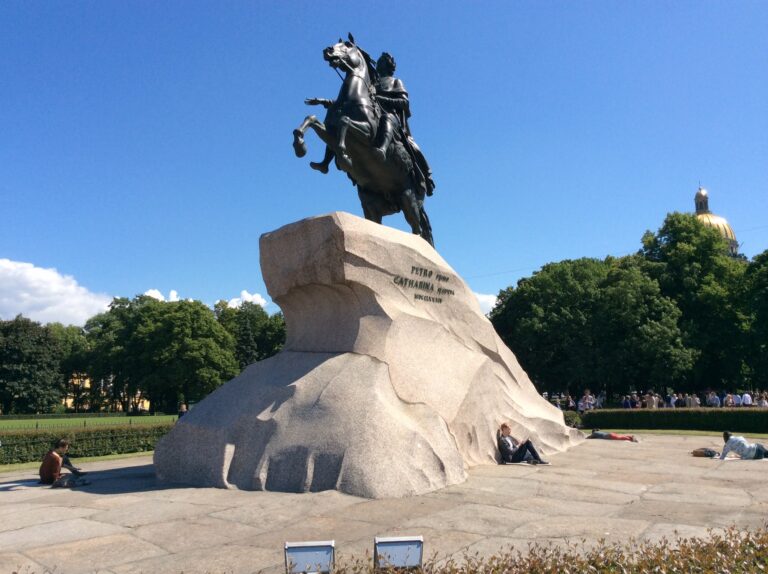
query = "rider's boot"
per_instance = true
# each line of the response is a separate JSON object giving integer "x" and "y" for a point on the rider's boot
{"x": 322, "y": 166}
{"x": 385, "y": 135}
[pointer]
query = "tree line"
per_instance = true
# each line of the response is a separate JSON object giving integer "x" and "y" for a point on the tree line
{"x": 679, "y": 314}
{"x": 141, "y": 349}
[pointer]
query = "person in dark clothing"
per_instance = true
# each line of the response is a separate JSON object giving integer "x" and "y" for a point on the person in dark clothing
{"x": 513, "y": 450}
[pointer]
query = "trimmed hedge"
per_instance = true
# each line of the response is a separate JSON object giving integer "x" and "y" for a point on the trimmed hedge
{"x": 572, "y": 419}
{"x": 73, "y": 415}
{"x": 30, "y": 446}
{"x": 742, "y": 419}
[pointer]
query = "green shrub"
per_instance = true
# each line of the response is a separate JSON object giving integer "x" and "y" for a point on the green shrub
{"x": 30, "y": 446}
{"x": 742, "y": 419}
{"x": 732, "y": 551}
{"x": 572, "y": 419}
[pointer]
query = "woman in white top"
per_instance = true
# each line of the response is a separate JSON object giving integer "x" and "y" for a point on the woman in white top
{"x": 739, "y": 446}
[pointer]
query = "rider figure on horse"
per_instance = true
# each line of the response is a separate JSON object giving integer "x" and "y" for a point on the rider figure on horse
{"x": 366, "y": 129}
{"x": 392, "y": 96}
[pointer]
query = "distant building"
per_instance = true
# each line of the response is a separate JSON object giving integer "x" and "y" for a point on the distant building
{"x": 709, "y": 219}
{"x": 80, "y": 391}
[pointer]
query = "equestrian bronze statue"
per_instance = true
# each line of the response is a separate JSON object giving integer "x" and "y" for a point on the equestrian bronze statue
{"x": 366, "y": 132}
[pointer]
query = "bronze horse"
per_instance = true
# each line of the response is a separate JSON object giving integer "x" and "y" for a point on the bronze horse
{"x": 384, "y": 186}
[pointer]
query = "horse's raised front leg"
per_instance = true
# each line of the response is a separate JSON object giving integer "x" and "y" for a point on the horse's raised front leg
{"x": 299, "y": 147}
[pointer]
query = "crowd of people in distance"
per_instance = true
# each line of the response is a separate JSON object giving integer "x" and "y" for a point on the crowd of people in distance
{"x": 651, "y": 400}
{"x": 565, "y": 402}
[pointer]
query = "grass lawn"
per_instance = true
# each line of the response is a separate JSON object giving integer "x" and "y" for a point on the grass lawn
{"x": 76, "y": 461}
{"x": 749, "y": 436}
{"x": 84, "y": 422}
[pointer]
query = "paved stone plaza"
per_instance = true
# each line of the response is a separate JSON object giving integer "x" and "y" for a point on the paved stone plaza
{"x": 125, "y": 522}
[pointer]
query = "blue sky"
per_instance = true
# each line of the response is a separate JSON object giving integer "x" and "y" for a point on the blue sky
{"x": 147, "y": 145}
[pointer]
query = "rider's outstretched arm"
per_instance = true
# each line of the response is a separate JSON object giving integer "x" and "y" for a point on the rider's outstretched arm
{"x": 319, "y": 102}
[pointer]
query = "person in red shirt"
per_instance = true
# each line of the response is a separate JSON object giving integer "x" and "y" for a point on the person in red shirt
{"x": 50, "y": 469}
{"x": 597, "y": 433}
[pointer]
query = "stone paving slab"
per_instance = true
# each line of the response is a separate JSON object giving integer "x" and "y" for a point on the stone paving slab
{"x": 180, "y": 536}
{"x": 125, "y": 522}
{"x": 16, "y": 562}
{"x": 99, "y": 553}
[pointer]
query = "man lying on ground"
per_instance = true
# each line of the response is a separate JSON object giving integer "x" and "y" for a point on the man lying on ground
{"x": 513, "y": 450}
{"x": 597, "y": 433}
{"x": 738, "y": 445}
{"x": 50, "y": 469}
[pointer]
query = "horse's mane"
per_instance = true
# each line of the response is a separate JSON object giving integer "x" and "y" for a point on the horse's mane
{"x": 371, "y": 65}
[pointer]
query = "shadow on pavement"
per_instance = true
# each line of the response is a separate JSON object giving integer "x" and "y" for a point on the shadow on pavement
{"x": 112, "y": 481}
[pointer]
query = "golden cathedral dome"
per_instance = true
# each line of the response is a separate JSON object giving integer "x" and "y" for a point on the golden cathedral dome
{"x": 709, "y": 219}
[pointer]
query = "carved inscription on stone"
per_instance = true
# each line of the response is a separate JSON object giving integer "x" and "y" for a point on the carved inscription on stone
{"x": 429, "y": 285}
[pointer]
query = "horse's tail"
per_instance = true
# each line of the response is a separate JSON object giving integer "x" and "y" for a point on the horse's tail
{"x": 426, "y": 227}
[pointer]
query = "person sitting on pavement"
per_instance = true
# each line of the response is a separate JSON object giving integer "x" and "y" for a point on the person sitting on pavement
{"x": 597, "y": 433}
{"x": 513, "y": 450}
{"x": 50, "y": 469}
{"x": 738, "y": 445}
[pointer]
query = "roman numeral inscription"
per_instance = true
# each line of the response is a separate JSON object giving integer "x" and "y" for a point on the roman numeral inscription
{"x": 430, "y": 286}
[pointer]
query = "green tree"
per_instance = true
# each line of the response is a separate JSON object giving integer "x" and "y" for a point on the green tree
{"x": 163, "y": 352}
{"x": 74, "y": 363}
{"x": 756, "y": 302}
{"x": 111, "y": 365}
{"x": 30, "y": 379}
{"x": 692, "y": 265}
{"x": 598, "y": 324}
{"x": 640, "y": 343}
{"x": 226, "y": 316}
{"x": 257, "y": 334}
{"x": 185, "y": 353}
{"x": 548, "y": 322}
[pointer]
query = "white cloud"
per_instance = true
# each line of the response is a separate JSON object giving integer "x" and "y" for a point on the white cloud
{"x": 157, "y": 294}
{"x": 487, "y": 302}
{"x": 247, "y": 297}
{"x": 45, "y": 295}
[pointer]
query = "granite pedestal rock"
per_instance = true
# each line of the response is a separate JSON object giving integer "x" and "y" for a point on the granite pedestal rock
{"x": 392, "y": 382}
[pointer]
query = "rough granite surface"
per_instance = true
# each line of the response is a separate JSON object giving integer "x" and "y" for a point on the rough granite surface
{"x": 392, "y": 382}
